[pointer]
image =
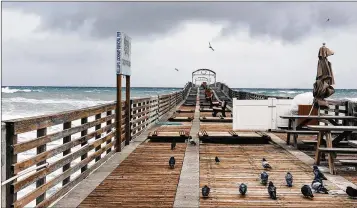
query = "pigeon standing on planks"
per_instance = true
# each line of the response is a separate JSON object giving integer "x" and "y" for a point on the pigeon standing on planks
{"x": 209, "y": 43}
{"x": 172, "y": 162}
{"x": 318, "y": 186}
{"x": 289, "y": 179}
{"x": 264, "y": 178}
{"x": 193, "y": 143}
{"x": 173, "y": 144}
{"x": 217, "y": 160}
{"x": 306, "y": 191}
{"x": 351, "y": 192}
{"x": 318, "y": 173}
{"x": 243, "y": 189}
{"x": 272, "y": 190}
{"x": 265, "y": 164}
{"x": 205, "y": 191}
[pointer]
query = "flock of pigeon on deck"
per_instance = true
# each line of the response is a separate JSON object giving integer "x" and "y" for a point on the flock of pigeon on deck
{"x": 317, "y": 184}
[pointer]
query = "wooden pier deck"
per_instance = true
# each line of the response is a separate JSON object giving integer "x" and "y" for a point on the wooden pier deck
{"x": 134, "y": 171}
{"x": 144, "y": 179}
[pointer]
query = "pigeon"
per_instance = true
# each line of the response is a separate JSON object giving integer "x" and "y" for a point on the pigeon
{"x": 173, "y": 144}
{"x": 318, "y": 173}
{"x": 172, "y": 162}
{"x": 289, "y": 179}
{"x": 217, "y": 160}
{"x": 176, "y": 69}
{"x": 210, "y": 46}
{"x": 318, "y": 186}
{"x": 205, "y": 191}
{"x": 272, "y": 190}
{"x": 265, "y": 164}
{"x": 264, "y": 178}
{"x": 306, "y": 191}
{"x": 351, "y": 192}
{"x": 193, "y": 142}
{"x": 243, "y": 189}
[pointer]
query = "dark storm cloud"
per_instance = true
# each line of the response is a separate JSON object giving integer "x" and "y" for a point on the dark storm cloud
{"x": 289, "y": 21}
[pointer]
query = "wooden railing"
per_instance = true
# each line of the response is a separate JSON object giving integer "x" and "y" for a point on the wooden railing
{"x": 72, "y": 144}
{"x": 242, "y": 95}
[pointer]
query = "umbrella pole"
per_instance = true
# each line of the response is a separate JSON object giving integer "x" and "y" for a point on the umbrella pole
{"x": 312, "y": 107}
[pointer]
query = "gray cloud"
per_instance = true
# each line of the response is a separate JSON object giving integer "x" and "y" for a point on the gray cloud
{"x": 289, "y": 21}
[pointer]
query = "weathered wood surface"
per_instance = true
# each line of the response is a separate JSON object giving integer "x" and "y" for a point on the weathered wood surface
{"x": 144, "y": 179}
{"x": 39, "y": 122}
{"x": 242, "y": 164}
{"x": 95, "y": 146}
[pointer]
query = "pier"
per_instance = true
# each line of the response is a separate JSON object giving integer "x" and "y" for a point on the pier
{"x": 84, "y": 165}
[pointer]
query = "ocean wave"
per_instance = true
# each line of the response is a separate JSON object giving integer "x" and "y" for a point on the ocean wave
{"x": 8, "y": 90}
{"x": 49, "y": 101}
{"x": 288, "y": 92}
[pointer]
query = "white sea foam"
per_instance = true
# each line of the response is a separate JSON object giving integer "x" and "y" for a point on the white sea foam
{"x": 53, "y": 101}
{"x": 8, "y": 90}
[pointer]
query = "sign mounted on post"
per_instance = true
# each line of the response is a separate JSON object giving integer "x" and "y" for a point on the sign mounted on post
{"x": 123, "y": 54}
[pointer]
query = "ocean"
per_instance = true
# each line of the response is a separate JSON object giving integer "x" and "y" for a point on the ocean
{"x": 18, "y": 102}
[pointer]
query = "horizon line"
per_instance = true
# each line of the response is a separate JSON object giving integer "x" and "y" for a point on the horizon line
{"x": 161, "y": 87}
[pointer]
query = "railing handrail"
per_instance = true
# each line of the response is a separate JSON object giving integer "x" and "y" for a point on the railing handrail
{"x": 143, "y": 112}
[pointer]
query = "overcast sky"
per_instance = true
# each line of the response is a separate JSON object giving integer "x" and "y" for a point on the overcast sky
{"x": 271, "y": 45}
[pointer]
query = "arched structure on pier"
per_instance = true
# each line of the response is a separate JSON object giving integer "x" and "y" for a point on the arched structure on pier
{"x": 204, "y": 75}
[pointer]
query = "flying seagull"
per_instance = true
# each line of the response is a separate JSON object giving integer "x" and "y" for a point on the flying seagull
{"x": 328, "y": 20}
{"x": 210, "y": 46}
{"x": 176, "y": 69}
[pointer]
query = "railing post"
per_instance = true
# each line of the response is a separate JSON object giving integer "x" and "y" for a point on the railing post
{"x": 127, "y": 121}
{"x": 11, "y": 139}
{"x": 108, "y": 123}
{"x": 40, "y": 149}
{"x": 97, "y": 127}
{"x": 83, "y": 133}
{"x": 66, "y": 139}
{"x": 118, "y": 115}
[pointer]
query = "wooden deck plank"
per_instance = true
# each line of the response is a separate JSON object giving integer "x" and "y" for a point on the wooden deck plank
{"x": 242, "y": 163}
{"x": 144, "y": 179}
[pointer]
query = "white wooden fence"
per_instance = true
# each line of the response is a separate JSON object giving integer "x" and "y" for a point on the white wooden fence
{"x": 260, "y": 114}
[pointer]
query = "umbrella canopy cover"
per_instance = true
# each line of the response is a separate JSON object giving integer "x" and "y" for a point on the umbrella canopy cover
{"x": 324, "y": 69}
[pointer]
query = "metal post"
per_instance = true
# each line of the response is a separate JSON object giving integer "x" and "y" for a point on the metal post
{"x": 118, "y": 115}
{"x": 127, "y": 111}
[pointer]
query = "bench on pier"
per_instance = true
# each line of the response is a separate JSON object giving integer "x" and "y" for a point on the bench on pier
{"x": 189, "y": 104}
{"x": 185, "y": 111}
{"x": 233, "y": 137}
{"x": 217, "y": 119}
{"x": 181, "y": 119}
{"x": 179, "y": 136}
{"x": 349, "y": 162}
{"x": 326, "y": 130}
{"x": 221, "y": 109}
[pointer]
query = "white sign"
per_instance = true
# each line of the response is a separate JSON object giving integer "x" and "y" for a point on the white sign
{"x": 123, "y": 54}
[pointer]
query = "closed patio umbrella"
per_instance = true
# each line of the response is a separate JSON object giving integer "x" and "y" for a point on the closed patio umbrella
{"x": 324, "y": 79}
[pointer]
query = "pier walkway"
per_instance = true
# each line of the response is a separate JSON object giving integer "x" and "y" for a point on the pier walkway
{"x": 143, "y": 178}
{"x": 92, "y": 165}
